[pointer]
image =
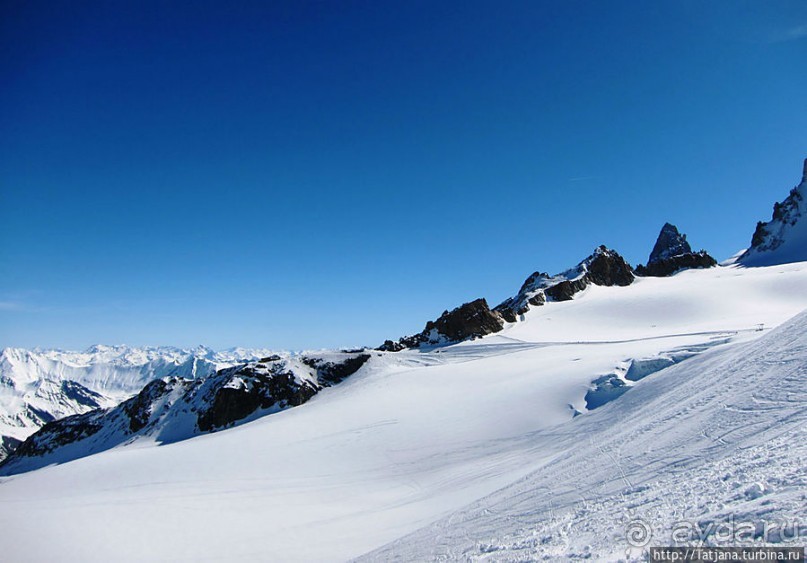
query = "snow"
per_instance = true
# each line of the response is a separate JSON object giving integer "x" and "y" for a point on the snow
{"x": 31, "y": 381}
{"x": 710, "y": 447}
{"x": 473, "y": 448}
{"x": 786, "y": 238}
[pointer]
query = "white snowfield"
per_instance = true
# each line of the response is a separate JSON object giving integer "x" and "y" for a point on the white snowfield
{"x": 474, "y": 449}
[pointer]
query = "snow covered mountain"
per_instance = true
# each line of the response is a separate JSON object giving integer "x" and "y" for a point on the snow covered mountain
{"x": 784, "y": 237}
{"x": 418, "y": 435}
{"x": 672, "y": 253}
{"x": 589, "y": 406}
{"x": 174, "y": 408}
{"x": 38, "y": 386}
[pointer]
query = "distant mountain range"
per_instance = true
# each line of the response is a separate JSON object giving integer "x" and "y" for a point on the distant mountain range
{"x": 39, "y": 386}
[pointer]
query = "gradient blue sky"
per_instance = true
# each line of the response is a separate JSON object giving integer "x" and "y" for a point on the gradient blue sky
{"x": 317, "y": 174}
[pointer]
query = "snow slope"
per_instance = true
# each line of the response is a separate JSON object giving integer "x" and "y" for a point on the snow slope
{"x": 713, "y": 448}
{"x": 418, "y": 435}
{"x": 37, "y": 386}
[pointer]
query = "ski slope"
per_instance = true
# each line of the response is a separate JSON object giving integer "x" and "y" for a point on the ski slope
{"x": 416, "y": 437}
{"x": 712, "y": 449}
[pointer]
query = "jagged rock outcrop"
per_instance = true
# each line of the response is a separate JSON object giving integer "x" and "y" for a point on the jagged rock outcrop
{"x": 672, "y": 253}
{"x": 7, "y": 445}
{"x": 475, "y": 319}
{"x": 670, "y": 242}
{"x": 470, "y": 320}
{"x": 604, "y": 267}
{"x": 783, "y": 239}
{"x": 173, "y": 408}
{"x": 249, "y": 389}
{"x": 330, "y": 373}
{"x": 667, "y": 267}
{"x": 39, "y": 386}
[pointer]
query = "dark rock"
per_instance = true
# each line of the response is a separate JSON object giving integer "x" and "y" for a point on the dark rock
{"x": 604, "y": 267}
{"x": 669, "y": 266}
{"x": 138, "y": 408}
{"x": 607, "y": 268}
{"x": 160, "y": 409}
{"x": 59, "y": 433}
{"x": 476, "y": 319}
{"x": 669, "y": 243}
{"x": 243, "y": 391}
{"x": 7, "y": 446}
{"x": 760, "y": 234}
{"x": 672, "y": 254}
{"x": 770, "y": 236}
{"x": 391, "y": 346}
{"x": 507, "y": 311}
{"x": 468, "y": 321}
{"x": 565, "y": 290}
{"x": 331, "y": 373}
{"x": 534, "y": 279}
{"x": 43, "y": 416}
{"x": 80, "y": 394}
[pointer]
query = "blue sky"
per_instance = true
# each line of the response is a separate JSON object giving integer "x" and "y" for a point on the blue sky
{"x": 318, "y": 174}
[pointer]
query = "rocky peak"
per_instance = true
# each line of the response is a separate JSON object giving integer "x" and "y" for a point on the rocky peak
{"x": 468, "y": 321}
{"x": 672, "y": 254}
{"x": 603, "y": 267}
{"x": 475, "y": 319}
{"x": 783, "y": 239}
{"x": 606, "y": 267}
{"x": 670, "y": 243}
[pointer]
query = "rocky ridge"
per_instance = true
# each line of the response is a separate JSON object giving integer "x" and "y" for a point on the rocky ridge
{"x": 783, "y": 238}
{"x": 39, "y": 386}
{"x": 476, "y": 319}
{"x": 173, "y": 408}
{"x": 672, "y": 253}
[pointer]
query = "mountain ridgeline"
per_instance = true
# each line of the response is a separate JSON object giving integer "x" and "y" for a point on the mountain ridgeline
{"x": 784, "y": 237}
{"x": 604, "y": 267}
{"x": 173, "y": 408}
{"x": 220, "y": 392}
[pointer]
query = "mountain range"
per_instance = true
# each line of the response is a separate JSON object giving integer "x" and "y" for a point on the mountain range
{"x": 520, "y": 431}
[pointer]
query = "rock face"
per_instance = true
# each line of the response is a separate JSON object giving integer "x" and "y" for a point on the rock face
{"x": 783, "y": 239}
{"x": 39, "y": 386}
{"x": 7, "y": 446}
{"x": 475, "y": 319}
{"x": 330, "y": 372}
{"x": 670, "y": 243}
{"x": 606, "y": 267}
{"x": 249, "y": 389}
{"x": 672, "y": 253}
{"x": 173, "y": 408}
{"x": 468, "y": 321}
{"x": 667, "y": 267}
{"x": 603, "y": 267}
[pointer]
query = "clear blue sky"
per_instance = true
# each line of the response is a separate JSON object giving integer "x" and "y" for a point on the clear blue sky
{"x": 316, "y": 174}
